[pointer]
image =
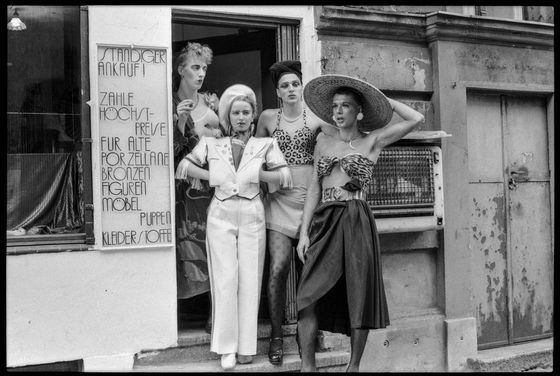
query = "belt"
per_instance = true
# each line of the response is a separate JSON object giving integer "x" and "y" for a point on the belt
{"x": 341, "y": 194}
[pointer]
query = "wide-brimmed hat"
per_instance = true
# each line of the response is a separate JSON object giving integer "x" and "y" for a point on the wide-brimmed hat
{"x": 226, "y": 99}
{"x": 319, "y": 92}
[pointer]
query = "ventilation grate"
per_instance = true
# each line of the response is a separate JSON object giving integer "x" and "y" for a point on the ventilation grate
{"x": 403, "y": 182}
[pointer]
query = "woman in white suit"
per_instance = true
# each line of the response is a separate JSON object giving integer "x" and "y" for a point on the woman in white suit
{"x": 236, "y": 228}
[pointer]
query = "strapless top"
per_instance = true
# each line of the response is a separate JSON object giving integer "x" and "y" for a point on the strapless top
{"x": 355, "y": 165}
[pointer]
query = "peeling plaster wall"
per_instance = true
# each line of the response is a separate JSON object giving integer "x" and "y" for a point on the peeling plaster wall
{"x": 504, "y": 64}
{"x": 431, "y": 76}
{"x": 387, "y": 66}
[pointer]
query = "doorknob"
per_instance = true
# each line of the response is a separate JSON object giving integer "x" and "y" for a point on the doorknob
{"x": 512, "y": 184}
{"x": 516, "y": 176}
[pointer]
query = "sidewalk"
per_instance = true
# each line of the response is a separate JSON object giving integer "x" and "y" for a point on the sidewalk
{"x": 533, "y": 356}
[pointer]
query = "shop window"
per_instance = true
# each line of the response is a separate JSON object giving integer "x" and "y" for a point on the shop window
{"x": 45, "y": 161}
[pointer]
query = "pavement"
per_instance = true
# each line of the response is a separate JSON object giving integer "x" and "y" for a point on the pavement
{"x": 533, "y": 356}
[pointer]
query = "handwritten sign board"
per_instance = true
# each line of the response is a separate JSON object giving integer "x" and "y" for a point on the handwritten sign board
{"x": 134, "y": 147}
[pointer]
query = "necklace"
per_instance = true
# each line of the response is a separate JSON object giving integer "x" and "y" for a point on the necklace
{"x": 294, "y": 119}
{"x": 350, "y": 141}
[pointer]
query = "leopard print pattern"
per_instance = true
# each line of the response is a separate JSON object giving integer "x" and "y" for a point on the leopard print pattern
{"x": 299, "y": 150}
{"x": 354, "y": 165}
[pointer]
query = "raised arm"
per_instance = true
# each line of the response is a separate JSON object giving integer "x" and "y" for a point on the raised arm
{"x": 394, "y": 132}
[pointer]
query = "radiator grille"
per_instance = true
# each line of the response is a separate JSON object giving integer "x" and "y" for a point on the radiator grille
{"x": 403, "y": 182}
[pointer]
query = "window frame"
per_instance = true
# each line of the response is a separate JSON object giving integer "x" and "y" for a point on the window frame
{"x": 76, "y": 241}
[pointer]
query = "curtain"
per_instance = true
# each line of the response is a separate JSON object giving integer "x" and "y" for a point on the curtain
{"x": 45, "y": 189}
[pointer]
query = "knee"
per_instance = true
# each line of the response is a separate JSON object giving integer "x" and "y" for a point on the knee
{"x": 279, "y": 271}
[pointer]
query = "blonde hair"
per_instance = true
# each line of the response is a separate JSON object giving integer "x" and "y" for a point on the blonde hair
{"x": 192, "y": 49}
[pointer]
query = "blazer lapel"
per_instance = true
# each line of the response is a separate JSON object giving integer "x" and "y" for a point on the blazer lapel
{"x": 251, "y": 150}
{"x": 223, "y": 149}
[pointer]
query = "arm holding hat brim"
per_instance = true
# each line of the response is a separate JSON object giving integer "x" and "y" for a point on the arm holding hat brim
{"x": 394, "y": 132}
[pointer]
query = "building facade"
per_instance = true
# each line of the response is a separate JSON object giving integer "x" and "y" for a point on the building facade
{"x": 90, "y": 252}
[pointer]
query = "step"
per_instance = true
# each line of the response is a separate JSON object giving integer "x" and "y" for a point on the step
{"x": 515, "y": 358}
{"x": 330, "y": 361}
{"x": 194, "y": 345}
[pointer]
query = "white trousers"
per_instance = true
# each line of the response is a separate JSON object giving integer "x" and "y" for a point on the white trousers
{"x": 235, "y": 240}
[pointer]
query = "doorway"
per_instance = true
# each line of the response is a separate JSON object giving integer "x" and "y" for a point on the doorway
{"x": 244, "y": 47}
{"x": 511, "y": 217}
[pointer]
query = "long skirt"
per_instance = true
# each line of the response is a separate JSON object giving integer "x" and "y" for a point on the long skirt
{"x": 190, "y": 221}
{"x": 342, "y": 269}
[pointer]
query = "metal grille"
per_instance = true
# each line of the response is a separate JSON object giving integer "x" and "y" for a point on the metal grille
{"x": 403, "y": 182}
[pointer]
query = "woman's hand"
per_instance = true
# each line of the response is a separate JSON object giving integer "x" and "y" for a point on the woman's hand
{"x": 302, "y": 246}
{"x": 184, "y": 108}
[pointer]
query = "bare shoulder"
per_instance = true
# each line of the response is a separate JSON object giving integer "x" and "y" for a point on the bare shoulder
{"x": 324, "y": 140}
{"x": 270, "y": 113}
{"x": 266, "y": 122}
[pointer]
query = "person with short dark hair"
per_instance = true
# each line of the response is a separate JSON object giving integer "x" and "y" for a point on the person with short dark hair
{"x": 341, "y": 286}
{"x": 295, "y": 129}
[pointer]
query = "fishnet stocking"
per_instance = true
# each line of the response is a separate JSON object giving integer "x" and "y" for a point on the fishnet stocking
{"x": 280, "y": 248}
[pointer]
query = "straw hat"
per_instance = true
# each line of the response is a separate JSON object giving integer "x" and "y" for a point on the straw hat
{"x": 319, "y": 92}
{"x": 226, "y": 101}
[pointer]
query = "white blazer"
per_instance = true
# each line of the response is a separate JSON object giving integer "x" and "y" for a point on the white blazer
{"x": 244, "y": 181}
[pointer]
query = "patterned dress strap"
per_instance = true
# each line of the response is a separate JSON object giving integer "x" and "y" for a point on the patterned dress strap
{"x": 278, "y": 118}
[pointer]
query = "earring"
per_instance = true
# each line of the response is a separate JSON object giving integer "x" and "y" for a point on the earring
{"x": 360, "y": 116}
{"x": 334, "y": 118}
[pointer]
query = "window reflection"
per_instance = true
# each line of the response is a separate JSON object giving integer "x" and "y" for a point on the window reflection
{"x": 43, "y": 122}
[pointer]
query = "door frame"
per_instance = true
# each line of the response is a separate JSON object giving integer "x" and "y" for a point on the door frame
{"x": 547, "y": 92}
{"x": 287, "y": 48}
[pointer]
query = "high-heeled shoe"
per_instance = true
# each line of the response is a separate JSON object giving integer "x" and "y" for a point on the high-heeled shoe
{"x": 276, "y": 351}
{"x": 228, "y": 361}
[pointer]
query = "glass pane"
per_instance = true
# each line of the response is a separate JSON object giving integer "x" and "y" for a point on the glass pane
{"x": 43, "y": 122}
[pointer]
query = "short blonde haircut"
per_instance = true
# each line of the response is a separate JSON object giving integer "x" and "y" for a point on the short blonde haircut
{"x": 192, "y": 49}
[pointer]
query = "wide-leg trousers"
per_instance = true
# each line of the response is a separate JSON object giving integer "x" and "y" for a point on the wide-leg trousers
{"x": 235, "y": 240}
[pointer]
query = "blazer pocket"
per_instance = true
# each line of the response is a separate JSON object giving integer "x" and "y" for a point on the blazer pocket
{"x": 218, "y": 174}
{"x": 254, "y": 170}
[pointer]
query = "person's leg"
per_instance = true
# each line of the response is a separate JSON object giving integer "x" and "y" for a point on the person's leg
{"x": 307, "y": 333}
{"x": 251, "y": 254}
{"x": 280, "y": 250}
{"x": 358, "y": 339}
{"x": 221, "y": 244}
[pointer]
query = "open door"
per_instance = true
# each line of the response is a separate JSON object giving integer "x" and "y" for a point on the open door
{"x": 244, "y": 47}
